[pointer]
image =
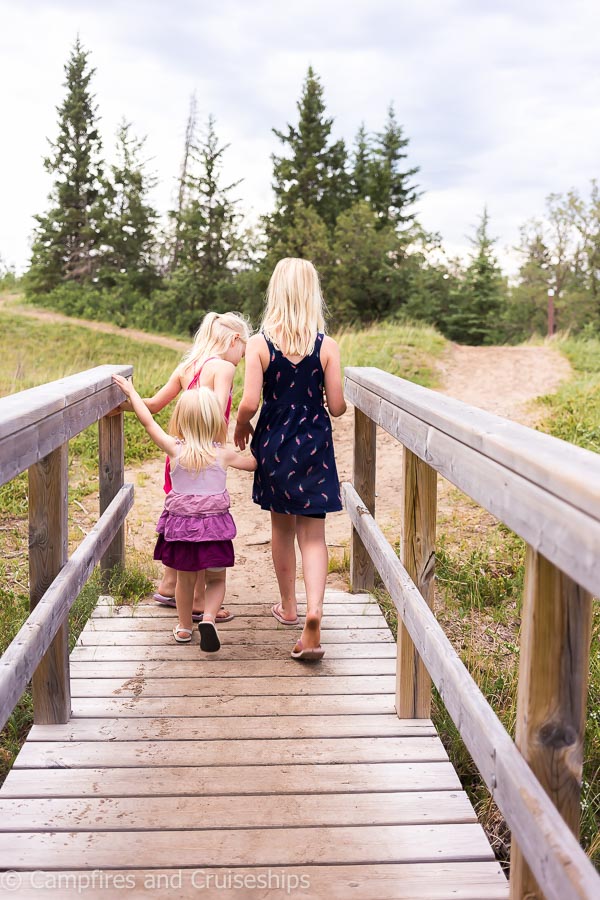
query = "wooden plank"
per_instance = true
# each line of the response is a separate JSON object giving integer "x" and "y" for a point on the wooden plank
{"x": 50, "y": 419}
{"x": 405, "y": 881}
{"x": 558, "y": 862}
{"x": 219, "y": 727}
{"x": 278, "y": 638}
{"x": 264, "y": 846}
{"x": 243, "y": 687}
{"x": 48, "y": 553}
{"x": 265, "y": 623}
{"x": 154, "y": 610}
{"x": 226, "y": 705}
{"x": 570, "y": 472}
{"x": 33, "y": 639}
{"x": 413, "y": 686}
{"x": 131, "y": 754}
{"x": 111, "y": 467}
{"x": 364, "y": 457}
{"x": 564, "y": 534}
{"x": 231, "y": 780}
{"x": 236, "y": 654}
{"x": 276, "y": 811}
{"x": 263, "y": 668}
{"x": 553, "y": 679}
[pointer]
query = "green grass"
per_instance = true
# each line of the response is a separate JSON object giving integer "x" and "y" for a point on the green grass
{"x": 402, "y": 349}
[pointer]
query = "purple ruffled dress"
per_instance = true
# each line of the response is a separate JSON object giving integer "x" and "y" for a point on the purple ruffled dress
{"x": 195, "y": 529}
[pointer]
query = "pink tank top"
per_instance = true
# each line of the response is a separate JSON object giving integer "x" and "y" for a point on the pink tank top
{"x": 211, "y": 480}
{"x": 194, "y": 383}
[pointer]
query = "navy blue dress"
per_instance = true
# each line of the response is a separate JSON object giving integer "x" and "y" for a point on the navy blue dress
{"x": 296, "y": 472}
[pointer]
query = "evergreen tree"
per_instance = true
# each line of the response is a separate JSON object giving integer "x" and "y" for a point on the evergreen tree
{"x": 474, "y": 319}
{"x": 362, "y": 166}
{"x": 526, "y": 308}
{"x": 368, "y": 280}
{"x": 177, "y": 214}
{"x": 314, "y": 173}
{"x": 68, "y": 237}
{"x": 209, "y": 238}
{"x": 391, "y": 193}
{"x": 130, "y": 219}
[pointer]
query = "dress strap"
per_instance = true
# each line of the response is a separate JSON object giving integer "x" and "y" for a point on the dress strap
{"x": 194, "y": 382}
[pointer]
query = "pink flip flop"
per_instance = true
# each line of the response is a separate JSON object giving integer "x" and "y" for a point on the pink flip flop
{"x": 311, "y": 654}
{"x": 163, "y": 600}
{"x": 277, "y": 614}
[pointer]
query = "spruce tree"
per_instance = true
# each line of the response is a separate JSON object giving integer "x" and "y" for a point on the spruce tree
{"x": 477, "y": 306}
{"x": 129, "y": 233}
{"x": 209, "y": 240}
{"x": 391, "y": 193}
{"x": 314, "y": 171}
{"x": 362, "y": 166}
{"x": 67, "y": 240}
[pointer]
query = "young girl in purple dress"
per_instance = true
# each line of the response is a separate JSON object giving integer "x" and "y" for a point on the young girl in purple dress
{"x": 295, "y": 365}
{"x": 195, "y": 530}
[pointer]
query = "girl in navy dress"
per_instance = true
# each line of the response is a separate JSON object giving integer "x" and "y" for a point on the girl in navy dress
{"x": 295, "y": 365}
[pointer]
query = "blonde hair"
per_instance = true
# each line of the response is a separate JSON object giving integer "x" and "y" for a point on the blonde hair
{"x": 198, "y": 421}
{"x": 294, "y": 313}
{"x": 214, "y": 337}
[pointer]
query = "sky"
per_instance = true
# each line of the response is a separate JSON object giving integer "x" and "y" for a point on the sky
{"x": 500, "y": 100}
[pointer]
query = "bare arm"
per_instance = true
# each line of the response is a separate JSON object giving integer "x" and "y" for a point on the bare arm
{"x": 243, "y": 461}
{"x": 161, "y": 399}
{"x": 334, "y": 391}
{"x": 223, "y": 372}
{"x": 160, "y": 437}
{"x": 257, "y": 360}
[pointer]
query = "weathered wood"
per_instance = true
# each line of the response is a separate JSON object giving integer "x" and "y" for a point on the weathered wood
{"x": 365, "y": 449}
{"x": 212, "y": 781}
{"x": 558, "y": 862}
{"x": 286, "y": 846}
{"x": 556, "y": 466}
{"x": 93, "y": 754}
{"x": 252, "y": 613}
{"x": 117, "y": 623}
{"x": 566, "y": 535}
{"x": 48, "y": 550}
{"x": 389, "y": 881}
{"x": 33, "y": 639}
{"x": 228, "y": 705}
{"x": 210, "y": 727}
{"x": 35, "y": 422}
{"x": 111, "y": 459}
{"x": 413, "y": 685}
{"x": 257, "y": 668}
{"x": 276, "y": 811}
{"x": 248, "y": 687}
{"x": 228, "y": 652}
{"x": 553, "y": 677}
{"x": 277, "y": 638}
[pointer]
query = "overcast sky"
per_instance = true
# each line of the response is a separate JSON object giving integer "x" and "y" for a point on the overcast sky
{"x": 500, "y": 100}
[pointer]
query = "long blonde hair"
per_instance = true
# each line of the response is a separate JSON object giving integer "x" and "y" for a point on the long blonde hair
{"x": 198, "y": 421}
{"x": 214, "y": 337}
{"x": 295, "y": 307}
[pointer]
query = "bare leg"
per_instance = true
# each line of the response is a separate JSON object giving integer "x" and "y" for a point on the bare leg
{"x": 311, "y": 540}
{"x": 167, "y": 582}
{"x": 283, "y": 550}
{"x": 215, "y": 593}
{"x": 184, "y": 597}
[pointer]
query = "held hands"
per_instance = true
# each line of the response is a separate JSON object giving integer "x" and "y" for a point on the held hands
{"x": 242, "y": 435}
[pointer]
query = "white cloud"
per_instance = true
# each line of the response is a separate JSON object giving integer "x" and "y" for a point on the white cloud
{"x": 499, "y": 100}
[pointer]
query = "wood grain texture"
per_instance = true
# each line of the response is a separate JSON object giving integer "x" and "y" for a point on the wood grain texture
{"x": 362, "y": 572}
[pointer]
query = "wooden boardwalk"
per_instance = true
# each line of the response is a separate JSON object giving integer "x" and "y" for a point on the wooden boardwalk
{"x": 241, "y": 774}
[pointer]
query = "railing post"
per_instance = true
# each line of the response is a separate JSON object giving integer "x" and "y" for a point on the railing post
{"x": 413, "y": 685}
{"x": 362, "y": 571}
{"x": 553, "y": 676}
{"x": 48, "y": 550}
{"x": 112, "y": 475}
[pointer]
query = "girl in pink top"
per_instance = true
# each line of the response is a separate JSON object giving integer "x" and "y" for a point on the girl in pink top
{"x": 195, "y": 529}
{"x": 219, "y": 345}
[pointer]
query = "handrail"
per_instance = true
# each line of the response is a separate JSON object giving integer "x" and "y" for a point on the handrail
{"x": 536, "y": 485}
{"x": 35, "y": 427}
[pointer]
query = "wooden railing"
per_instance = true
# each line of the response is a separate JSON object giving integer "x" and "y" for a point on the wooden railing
{"x": 547, "y": 492}
{"x": 35, "y": 427}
